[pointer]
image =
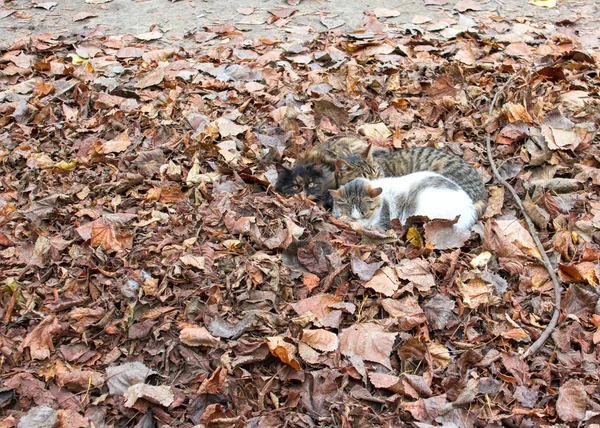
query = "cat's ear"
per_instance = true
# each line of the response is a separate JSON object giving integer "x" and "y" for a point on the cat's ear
{"x": 368, "y": 153}
{"x": 341, "y": 165}
{"x": 373, "y": 192}
{"x": 281, "y": 169}
{"x": 336, "y": 193}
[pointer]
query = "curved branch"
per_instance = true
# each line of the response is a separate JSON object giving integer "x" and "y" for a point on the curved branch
{"x": 544, "y": 257}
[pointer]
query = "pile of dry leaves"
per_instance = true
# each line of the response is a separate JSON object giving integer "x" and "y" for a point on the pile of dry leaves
{"x": 150, "y": 275}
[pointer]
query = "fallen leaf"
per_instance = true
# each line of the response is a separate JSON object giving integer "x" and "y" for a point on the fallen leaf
{"x": 120, "y": 378}
{"x": 464, "y": 5}
{"x": 197, "y": 336}
{"x": 310, "y": 281}
{"x": 385, "y": 13}
{"x": 319, "y": 339}
{"x": 407, "y": 311}
{"x": 151, "y": 78}
{"x": 80, "y": 16}
{"x": 160, "y": 394}
{"x": 384, "y": 281}
{"x": 283, "y": 350}
{"x": 544, "y": 3}
{"x": 118, "y": 144}
{"x": 152, "y": 35}
{"x": 418, "y": 272}
{"x": 475, "y": 292}
{"x": 375, "y": 130}
{"x": 39, "y": 340}
{"x": 369, "y": 341}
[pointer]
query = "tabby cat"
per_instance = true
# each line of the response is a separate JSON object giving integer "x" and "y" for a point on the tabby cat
{"x": 425, "y": 193}
{"x": 376, "y": 164}
{"x": 314, "y": 173}
{"x": 314, "y": 180}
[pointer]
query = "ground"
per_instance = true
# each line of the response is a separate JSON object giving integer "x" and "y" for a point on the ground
{"x": 180, "y": 18}
{"x": 150, "y": 275}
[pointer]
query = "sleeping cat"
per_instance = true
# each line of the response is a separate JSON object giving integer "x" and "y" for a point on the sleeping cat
{"x": 426, "y": 193}
{"x": 375, "y": 164}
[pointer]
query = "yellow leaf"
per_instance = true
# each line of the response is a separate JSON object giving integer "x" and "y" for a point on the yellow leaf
{"x": 77, "y": 60}
{"x": 65, "y": 166}
{"x": 414, "y": 238}
{"x": 543, "y": 3}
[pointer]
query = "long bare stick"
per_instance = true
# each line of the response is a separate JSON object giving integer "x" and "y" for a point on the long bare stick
{"x": 545, "y": 260}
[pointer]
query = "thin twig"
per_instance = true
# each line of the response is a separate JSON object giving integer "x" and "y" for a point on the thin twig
{"x": 545, "y": 260}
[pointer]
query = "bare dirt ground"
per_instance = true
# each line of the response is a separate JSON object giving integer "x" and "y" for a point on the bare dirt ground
{"x": 179, "y": 20}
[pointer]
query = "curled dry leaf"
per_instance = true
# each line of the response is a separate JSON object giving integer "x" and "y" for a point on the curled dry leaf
{"x": 80, "y": 380}
{"x": 214, "y": 384}
{"x": 161, "y": 394}
{"x": 117, "y": 145}
{"x": 39, "y": 417}
{"x": 151, "y": 78}
{"x": 364, "y": 271}
{"x": 197, "y": 336}
{"x": 283, "y": 350}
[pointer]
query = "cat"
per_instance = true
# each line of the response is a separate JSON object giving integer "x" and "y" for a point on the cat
{"x": 314, "y": 174}
{"x": 314, "y": 180}
{"x": 426, "y": 193}
{"x": 334, "y": 149}
{"x": 374, "y": 163}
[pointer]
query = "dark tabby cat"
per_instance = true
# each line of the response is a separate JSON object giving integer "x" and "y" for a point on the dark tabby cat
{"x": 314, "y": 180}
{"x": 314, "y": 174}
{"x": 375, "y": 164}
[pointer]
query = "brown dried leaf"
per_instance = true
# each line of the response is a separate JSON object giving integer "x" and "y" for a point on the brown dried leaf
{"x": 441, "y": 235}
{"x": 120, "y": 378}
{"x": 516, "y": 112}
{"x": 283, "y": 350}
{"x": 475, "y": 292}
{"x": 118, "y": 144}
{"x": 418, "y": 272}
{"x": 80, "y": 16}
{"x": 161, "y": 394}
{"x": 369, "y": 341}
{"x": 384, "y": 281}
{"x": 572, "y": 401}
{"x": 197, "y": 336}
{"x": 364, "y": 271}
{"x": 39, "y": 340}
{"x": 151, "y": 78}
{"x": 321, "y": 340}
{"x": 407, "y": 311}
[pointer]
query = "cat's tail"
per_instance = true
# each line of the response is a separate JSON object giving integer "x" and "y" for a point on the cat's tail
{"x": 480, "y": 207}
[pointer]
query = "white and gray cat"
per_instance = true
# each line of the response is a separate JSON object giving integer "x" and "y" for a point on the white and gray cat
{"x": 426, "y": 193}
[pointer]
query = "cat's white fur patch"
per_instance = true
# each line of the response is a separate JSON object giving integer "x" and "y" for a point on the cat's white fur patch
{"x": 431, "y": 202}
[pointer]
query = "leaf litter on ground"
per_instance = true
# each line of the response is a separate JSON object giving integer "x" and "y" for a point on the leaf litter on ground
{"x": 148, "y": 267}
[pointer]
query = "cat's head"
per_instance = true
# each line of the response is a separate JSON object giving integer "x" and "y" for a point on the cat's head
{"x": 354, "y": 166}
{"x": 357, "y": 200}
{"x": 314, "y": 180}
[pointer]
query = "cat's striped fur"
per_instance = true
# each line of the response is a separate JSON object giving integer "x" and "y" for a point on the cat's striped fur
{"x": 415, "y": 159}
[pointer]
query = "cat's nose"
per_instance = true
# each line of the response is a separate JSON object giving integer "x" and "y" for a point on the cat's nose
{"x": 355, "y": 214}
